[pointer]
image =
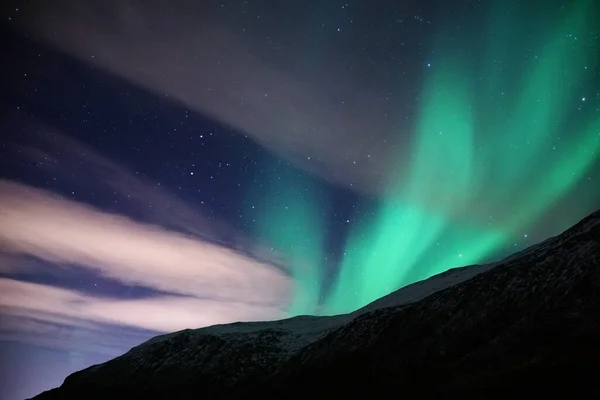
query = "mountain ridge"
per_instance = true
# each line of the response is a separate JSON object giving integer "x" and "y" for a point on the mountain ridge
{"x": 462, "y": 331}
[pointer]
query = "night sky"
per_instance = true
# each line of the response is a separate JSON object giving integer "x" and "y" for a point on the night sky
{"x": 172, "y": 165}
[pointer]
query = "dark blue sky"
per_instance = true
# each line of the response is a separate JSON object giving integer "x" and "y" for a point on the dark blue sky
{"x": 170, "y": 167}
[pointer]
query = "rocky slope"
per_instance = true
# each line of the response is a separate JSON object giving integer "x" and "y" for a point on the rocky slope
{"x": 527, "y": 324}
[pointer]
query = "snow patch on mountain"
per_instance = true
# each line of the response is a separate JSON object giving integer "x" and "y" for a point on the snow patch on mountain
{"x": 419, "y": 290}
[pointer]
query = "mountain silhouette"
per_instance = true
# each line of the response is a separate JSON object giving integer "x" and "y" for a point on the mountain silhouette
{"x": 526, "y": 325}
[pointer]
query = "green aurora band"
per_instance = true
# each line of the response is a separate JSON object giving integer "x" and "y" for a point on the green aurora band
{"x": 424, "y": 226}
{"x": 289, "y": 220}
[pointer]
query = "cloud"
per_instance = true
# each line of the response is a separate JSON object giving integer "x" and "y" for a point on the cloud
{"x": 64, "y": 308}
{"x": 215, "y": 69}
{"x": 41, "y": 224}
{"x": 85, "y": 169}
{"x": 68, "y": 335}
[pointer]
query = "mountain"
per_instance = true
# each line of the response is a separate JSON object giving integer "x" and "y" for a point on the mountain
{"x": 528, "y": 324}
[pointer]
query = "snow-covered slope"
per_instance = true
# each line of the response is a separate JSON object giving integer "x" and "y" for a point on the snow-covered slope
{"x": 248, "y": 348}
{"x": 419, "y": 290}
{"x": 466, "y": 320}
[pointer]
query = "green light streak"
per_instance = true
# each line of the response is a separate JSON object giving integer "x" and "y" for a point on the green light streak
{"x": 373, "y": 264}
{"x": 289, "y": 219}
{"x": 497, "y": 145}
{"x": 382, "y": 257}
{"x": 562, "y": 175}
{"x": 555, "y": 73}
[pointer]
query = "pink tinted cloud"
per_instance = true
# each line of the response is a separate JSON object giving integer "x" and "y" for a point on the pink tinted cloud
{"x": 162, "y": 313}
{"x": 96, "y": 172}
{"x": 39, "y": 223}
{"x": 151, "y": 200}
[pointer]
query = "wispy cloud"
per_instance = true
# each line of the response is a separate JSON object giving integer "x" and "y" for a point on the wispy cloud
{"x": 300, "y": 113}
{"x": 86, "y": 169}
{"x": 175, "y": 251}
{"x": 65, "y": 334}
{"x": 42, "y": 224}
{"x": 64, "y": 307}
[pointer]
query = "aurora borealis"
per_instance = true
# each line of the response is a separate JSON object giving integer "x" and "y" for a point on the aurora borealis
{"x": 453, "y": 173}
{"x": 175, "y": 166}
